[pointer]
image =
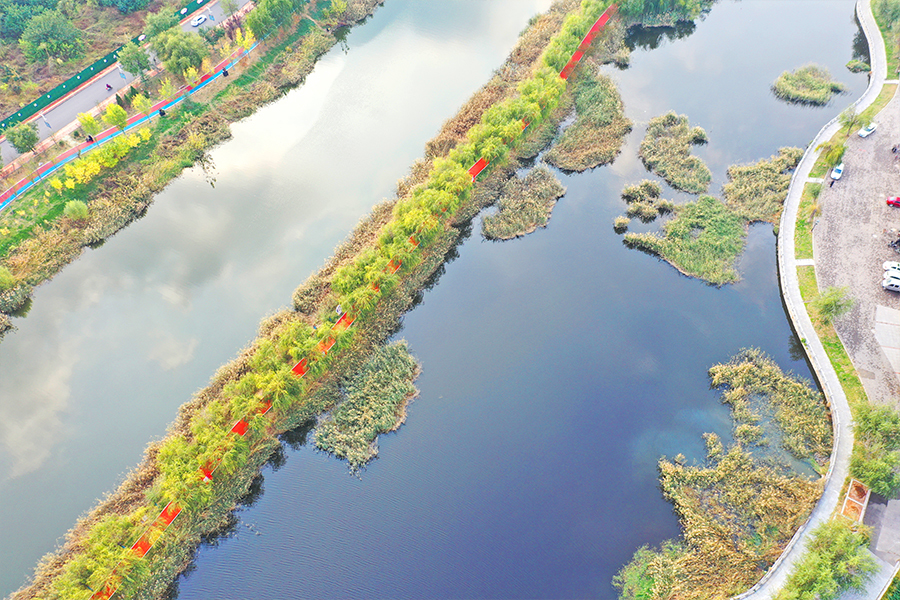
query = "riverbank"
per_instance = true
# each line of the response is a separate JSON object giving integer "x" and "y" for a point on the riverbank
{"x": 289, "y": 335}
{"x": 122, "y": 194}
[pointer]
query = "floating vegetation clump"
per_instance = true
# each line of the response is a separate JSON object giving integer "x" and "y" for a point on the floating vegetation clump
{"x": 525, "y": 205}
{"x": 810, "y": 84}
{"x": 757, "y": 192}
{"x": 596, "y": 136}
{"x": 645, "y": 191}
{"x": 620, "y": 224}
{"x": 737, "y": 512}
{"x": 374, "y": 403}
{"x": 666, "y": 150}
{"x": 858, "y": 66}
{"x": 645, "y": 211}
{"x": 798, "y": 409}
{"x": 702, "y": 240}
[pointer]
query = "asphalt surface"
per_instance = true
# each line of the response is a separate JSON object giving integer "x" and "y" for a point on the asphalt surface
{"x": 92, "y": 95}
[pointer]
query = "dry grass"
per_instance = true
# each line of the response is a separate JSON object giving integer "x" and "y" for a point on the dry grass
{"x": 525, "y": 205}
{"x": 757, "y": 192}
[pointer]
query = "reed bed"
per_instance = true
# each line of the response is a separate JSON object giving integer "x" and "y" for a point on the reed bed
{"x": 757, "y": 192}
{"x": 645, "y": 191}
{"x": 599, "y": 130}
{"x": 666, "y": 150}
{"x": 737, "y": 512}
{"x": 810, "y": 84}
{"x": 620, "y": 224}
{"x": 799, "y": 410}
{"x": 373, "y": 402}
{"x": 645, "y": 211}
{"x": 525, "y": 205}
{"x": 702, "y": 240}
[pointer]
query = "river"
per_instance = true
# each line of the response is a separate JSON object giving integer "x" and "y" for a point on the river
{"x": 557, "y": 368}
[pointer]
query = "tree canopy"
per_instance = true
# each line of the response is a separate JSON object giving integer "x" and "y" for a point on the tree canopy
{"x": 180, "y": 50}
{"x": 156, "y": 23}
{"x": 23, "y": 137}
{"x": 50, "y": 35}
{"x": 134, "y": 59}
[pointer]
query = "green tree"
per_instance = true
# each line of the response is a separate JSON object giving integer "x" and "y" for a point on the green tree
{"x": 134, "y": 59}
{"x": 23, "y": 137}
{"x": 166, "y": 89}
{"x": 833, "y": 303}
{"x": 116, "y": 116}
{"x": 126, "y": 6}
{"x": 141, "y": 103}
{"x": 260, "y": 21}
{"x": 229, "y": 6}
{"x": 180, "y": 50}
{"x": 76, "y": 210}
{"x": 89, "y": 124}
{"x": 835, "y": 561}
{"x": 832, "y": 152}
{"x": 156, "y": 23}
{"x": 50, "y": 35}
{"x": 850, "y": 119}
{"x": 7, "y": 279}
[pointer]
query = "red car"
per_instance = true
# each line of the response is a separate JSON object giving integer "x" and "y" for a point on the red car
{"x": 893, "y": 201}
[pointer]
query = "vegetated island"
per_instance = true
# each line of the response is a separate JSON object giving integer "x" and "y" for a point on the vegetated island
{"x": 379, "y": 272}
{"x": 666, "y": 151}
{"x": 524, "y": 205}
{"x": 117, "y": 183}
{"x": 704, "y": 237}
{"x": 810, "y": 84}
{"x": 739, "y": 510}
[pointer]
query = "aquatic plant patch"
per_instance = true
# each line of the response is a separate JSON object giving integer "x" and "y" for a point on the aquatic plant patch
{"x": 757, "y": 192}
{"x": 597, "y": 135}
{"x": 525, "y": 204}
{"x": 810, "y": 84}
{"x": 702, "y": 240}
{"x": 737, "y": 511}
{"x": 798, "y": 409}
{"x": 666, "y": 150}
{"x": 373, "y": 402}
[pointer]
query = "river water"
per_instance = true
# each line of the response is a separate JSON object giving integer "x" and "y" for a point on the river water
{"x": 557, "y": 368}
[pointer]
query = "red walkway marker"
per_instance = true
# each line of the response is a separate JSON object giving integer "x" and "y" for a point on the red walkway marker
{"x": 586, "y": 42}
{"x": 326, "y": 345}
{"x": 240, "y": 427}
{"x": 477, "y": 168}
{"x": 301, "y": 368}
{"x": 393, "y": 266}
{"x": 343, "y": 323}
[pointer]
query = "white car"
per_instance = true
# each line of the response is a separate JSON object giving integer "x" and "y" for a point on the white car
{"x": 198, "y": 20}
{"x": 867, "y": 130}
{"x": 837, "y": 171}
{"x": 891, "y": 265}
{"x": 891, "y": 284}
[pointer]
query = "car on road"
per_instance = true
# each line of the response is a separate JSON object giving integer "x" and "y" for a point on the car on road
{"x": 837, "y": 171}
{"x": 867, "y": 130}
{"x": 198, "y": 20}
{"x": 893, "y": 201}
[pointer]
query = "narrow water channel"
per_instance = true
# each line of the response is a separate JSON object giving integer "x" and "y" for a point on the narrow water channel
{"x": 557, "y": 368}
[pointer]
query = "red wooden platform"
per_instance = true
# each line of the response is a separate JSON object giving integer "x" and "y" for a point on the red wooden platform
{"x": 477, "y": 168}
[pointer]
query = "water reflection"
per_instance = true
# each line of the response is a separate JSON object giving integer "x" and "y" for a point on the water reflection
{"x": 651, "y": 38}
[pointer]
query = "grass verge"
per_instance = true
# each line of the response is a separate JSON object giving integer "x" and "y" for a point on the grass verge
{"x": 806, "y": 218}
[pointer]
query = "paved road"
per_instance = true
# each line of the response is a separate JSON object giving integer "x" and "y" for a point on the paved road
{"x": 787, "y": 267}
{"x": 91, "y": 95}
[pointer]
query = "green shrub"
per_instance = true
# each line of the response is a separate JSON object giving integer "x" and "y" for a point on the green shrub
{"x": 76, "y": 210}
{"x": 810, "y": 84}
{"x": 876, "y": 451}
{"x": 666, "y": 150}
{"x": 836, "y": 561}
{"x": 7, "y": 280}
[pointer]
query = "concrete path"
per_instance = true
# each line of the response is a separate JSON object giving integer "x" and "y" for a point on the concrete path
{"x": 88, "y": 97}
{"x": 839, "y": 468}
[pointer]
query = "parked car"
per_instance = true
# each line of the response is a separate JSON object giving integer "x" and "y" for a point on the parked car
{"x": 892, "y": 274}
{"x": 893, "y": 201}
{"x": 867, "y": 130}
{"x": 891, "y": 284}
{"x": 198, "y": 20}
{"x": 891, "y": 264}
{"x": 837, "y": 171}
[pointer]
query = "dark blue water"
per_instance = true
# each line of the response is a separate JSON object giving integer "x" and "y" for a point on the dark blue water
{"x": 557, "y": 368}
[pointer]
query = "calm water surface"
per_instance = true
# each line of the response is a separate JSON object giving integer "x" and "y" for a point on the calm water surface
{"x": 557, "y": 368}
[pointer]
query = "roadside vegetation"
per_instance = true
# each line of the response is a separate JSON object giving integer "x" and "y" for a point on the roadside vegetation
{"x": 836, "y": 561}
{"x": 666, "y": 151}
{"x": 807, "y": 213}
{"x": 377, "y": 274}
{"x": 887, "y": 15}
{"x": 597, "y": 135}
{"x": 810, "y": 84}
{"x": 738, "y": 510}
{"x": 524, "y": 205}
{"x": 372, "y": 402}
